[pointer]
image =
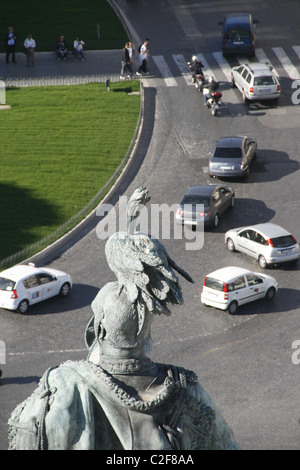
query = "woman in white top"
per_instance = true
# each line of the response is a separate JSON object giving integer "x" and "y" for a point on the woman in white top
{"x": 29, "y": 47}
{"x": 78, "y": 48}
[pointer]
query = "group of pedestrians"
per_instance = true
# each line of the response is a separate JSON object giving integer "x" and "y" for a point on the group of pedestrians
{"x": 29, "y": 46}
{"x": 127, "y": 59}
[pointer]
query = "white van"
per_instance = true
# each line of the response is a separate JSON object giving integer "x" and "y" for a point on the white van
{"x": 229, "y": 287}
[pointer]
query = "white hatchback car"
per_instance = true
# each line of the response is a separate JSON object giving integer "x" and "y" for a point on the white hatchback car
{"x": 268, "y": 243}
{"x": 24, "y": 285}
{"x": 256, "y": 81}
{"x": 229, "y": 287}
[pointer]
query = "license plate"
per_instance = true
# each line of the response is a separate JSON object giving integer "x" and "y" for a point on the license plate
{"x": 285, "y": 252}
{"x": 227, "y": 168}
{"x": 267, "y": 90}
{"x": 238, "y": 42}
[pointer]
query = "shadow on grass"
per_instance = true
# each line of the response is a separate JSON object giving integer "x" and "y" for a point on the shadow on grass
{"x": 21, "y": 215}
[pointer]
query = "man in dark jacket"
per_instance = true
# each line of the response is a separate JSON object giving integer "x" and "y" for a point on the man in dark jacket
{"x": 126, "y": 62}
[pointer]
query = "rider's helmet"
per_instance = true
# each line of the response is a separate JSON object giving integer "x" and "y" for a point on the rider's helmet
{"x": 210, "y": 79}
{"x": 194, "y": 58}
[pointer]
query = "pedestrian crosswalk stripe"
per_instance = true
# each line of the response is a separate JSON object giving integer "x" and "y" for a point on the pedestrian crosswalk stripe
{"x": 164, "y": 70}
{"x": 183, "y": 67}
{"x": 297, "y": 50}
{"x": 287, "y": 64}
{"x": 223, "y": 64}
{"x": 261, "y": 56}
{"x": 207, "y": 70}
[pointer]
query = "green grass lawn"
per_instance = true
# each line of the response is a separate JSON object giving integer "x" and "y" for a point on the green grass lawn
{"x": 47, "y": 19}
{"x": 59, "y": 145}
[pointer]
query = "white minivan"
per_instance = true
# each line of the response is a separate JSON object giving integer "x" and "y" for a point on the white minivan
{"x": 229, "y": 287}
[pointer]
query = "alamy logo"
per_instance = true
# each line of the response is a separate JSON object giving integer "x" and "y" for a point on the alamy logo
{"x": 296, "y": 354}
{"x": 2, "y": 352}
{"x": 159, "y": 221}
{"x": 296, "y": 94}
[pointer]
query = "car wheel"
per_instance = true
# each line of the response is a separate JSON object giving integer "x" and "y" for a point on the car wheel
{"x": 230, "y": 245}
{"x": 244, "y": 97}
{"x": 232, "y": 82}
{"x": 270, "y": 294}
{"x": 232, "y": 202}
{"x": 232, "y": 307}
{"x": 262, "y": 262}
{"x": 23, "y": 306}
{"x": 65, "y": 289}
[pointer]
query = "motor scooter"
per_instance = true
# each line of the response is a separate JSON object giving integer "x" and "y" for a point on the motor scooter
{"x": 199, "y": 79}
{"x": 212, "y": 99}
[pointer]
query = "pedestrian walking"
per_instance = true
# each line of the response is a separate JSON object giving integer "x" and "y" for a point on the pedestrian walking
{"x": 126, "y": 62}
{"x": 143, "y": 58}
{"x": 29, "y": 48}
{"x": 10, "y": 40}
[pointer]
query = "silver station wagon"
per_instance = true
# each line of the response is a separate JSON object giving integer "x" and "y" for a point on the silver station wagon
{"x": 268, "y": 243}
{"x": 256, "y": 81}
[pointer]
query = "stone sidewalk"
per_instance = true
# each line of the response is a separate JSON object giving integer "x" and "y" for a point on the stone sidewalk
{"x": 96, "y": 63}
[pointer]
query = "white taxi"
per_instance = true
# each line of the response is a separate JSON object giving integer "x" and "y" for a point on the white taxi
{"x": 229, "y": 287}
{"x": 24, "y": 285}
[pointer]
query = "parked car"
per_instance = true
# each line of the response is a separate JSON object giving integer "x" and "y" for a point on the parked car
{"x": 268, "y": 243}
{"x": 256, "y": 81}
{"x": 24, "y": 285}
{"x": 216, "y": 199}
{"x": 232, "y": 156}
{"x": 229, "y": 287}
{"x": 238, "y": 34}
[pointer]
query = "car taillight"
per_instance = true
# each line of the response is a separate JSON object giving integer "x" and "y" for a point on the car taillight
{"x": 203, "y": 214}
{"x": 294, "y": 239}
{"x": 14, "y": 294}
{"x": 251, "y": 89}
{"x": 270, "y": 242}
{"x": 278, "y": 87}
{"x": 225, "y": 291}
{"x": 204, "y": 283}
{"x": 179, "y": 212}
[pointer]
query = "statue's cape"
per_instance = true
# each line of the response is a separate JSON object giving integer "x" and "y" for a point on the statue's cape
{"x": 79, "y": 406}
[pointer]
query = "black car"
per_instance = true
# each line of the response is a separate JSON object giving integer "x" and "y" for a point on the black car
{"x": 232, "y": 157}
{"x": 214, "y": 201}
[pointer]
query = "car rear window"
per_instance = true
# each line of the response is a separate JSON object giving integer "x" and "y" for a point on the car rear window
{"x": 224, "y": 152}
{"x": 238, "y": 33}
{"x": 266, "y": 80}
{"x": 283, "y": 242}
{"x": 6, "y": 284}
{"x": 214, "y": 284}
{"x": 194, "y": 199}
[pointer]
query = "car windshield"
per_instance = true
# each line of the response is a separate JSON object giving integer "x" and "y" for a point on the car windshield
{"x": 283, "y": 242}
{"x": 6, "y": 284}
{"x": 238, "y": 33}
{"x": 224, "y": 152}
{"x": 266, "y": 80}
{"x": 214, "y": 284}
{"x": 193, "y": 199}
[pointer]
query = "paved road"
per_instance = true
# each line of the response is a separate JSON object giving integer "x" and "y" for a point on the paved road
{"x": 243, "y": 361}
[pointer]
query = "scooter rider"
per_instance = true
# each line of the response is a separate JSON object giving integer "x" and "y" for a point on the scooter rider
{"x": 210, "y": 87}
{"x": 196, "y": 67}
